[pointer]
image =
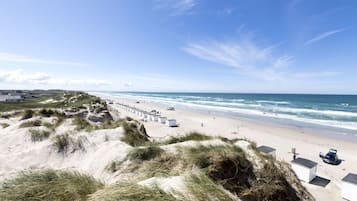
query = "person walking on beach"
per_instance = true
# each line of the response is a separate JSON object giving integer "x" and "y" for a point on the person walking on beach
{"x": 293, "y": 150}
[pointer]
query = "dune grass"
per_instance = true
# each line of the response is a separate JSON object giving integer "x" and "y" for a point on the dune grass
{"x": 133, "y": 136}
{"x": 203, "y": 188}
{"x": 46, "y": 112}
{"x": 63, "y": 99}
{"x": 51, "y": 185}
{"x": 61, "y": 143}
{"x": 130, "y": 192}
{"x": 28, "y": 114}
{"x": 146, "y": 153}
{"x": 4, "y": 125}
{"x": 194, "y": 136}
{"x": 82, "y": 124}
{"x": 35, "y": 123}
{"x": 64, "y": 143}
{"x": 39, "y": 135}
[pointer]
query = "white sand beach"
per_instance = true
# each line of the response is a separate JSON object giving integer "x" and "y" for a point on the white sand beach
{"x": 283, "y": 139}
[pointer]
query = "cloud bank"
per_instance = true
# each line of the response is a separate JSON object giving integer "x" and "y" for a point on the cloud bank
{"x": 19, "y": 76}
{"x": 8, "y": 57}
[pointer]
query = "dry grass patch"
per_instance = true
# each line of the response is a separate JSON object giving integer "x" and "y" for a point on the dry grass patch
{"x": 130, "y": 192}
{"x": 35, "y": 123}
{"x": 49, "y": 185}
{"x": 4, "y": 125}
{"x": 133, "y": 136}
{"x": 39, "y": 135}
{"x": 193, "y": 136}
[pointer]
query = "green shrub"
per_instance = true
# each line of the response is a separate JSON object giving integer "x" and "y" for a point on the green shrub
{"x": 38, "y": 135}
{"x": 130, "y": 192}
{"x": 28, "y": 124}
{"x": 49, "y": 185}
{"x": 27, "y": 114}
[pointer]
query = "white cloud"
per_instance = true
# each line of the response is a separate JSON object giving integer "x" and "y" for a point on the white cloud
{"x": 26, "y": 59}
{"x": 21, "y": 77}
{"x": 323, "y": 36}
{"x": 245, "y": 55}
{"x": 252, "y": 60}
{"x": 176, "y": 7}
{"x": 316, "y": 74}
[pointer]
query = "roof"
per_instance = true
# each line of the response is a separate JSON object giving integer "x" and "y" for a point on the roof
{"x": 305, "y": 162}
{"x": 351, "y": 178}
{"x": 265, "y": 149}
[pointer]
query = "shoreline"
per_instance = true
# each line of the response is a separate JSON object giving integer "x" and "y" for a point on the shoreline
{"x": 330, "y": 128}
{"x": 307, "y": 144}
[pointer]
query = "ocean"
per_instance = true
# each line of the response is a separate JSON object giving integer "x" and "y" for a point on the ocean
{"x": 333, "y": 113}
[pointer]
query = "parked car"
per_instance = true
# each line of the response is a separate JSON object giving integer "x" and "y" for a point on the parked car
{"x": 331, "y": 157}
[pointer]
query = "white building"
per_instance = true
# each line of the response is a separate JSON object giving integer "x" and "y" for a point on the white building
{"x": 304, "y": 169}
{"x": 267, "y": 150}
{"x": 349, "y": 187}
{"x": 171, "y": 122}
{"x": 162, "y": 120}
{"x": 10, "y": 98}
{"x": 156, "y": 118}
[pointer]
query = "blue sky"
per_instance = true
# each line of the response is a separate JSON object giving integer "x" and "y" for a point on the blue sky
{"x": 180, "y": 45}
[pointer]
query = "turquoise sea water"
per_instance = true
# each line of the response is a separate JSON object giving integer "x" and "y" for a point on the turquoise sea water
{"x": 335, "y": 112}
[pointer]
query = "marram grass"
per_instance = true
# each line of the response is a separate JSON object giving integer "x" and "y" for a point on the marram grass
{"x": 49, "y": 185}
{"x": 130, "y": 192}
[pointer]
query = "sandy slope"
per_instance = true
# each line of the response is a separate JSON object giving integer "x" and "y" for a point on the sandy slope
{"x": 18, "y": 152}
{"x": 308, "y": 145}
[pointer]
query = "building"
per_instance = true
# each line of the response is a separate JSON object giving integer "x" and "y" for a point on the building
{"x": 10, "y": 98}
{"x": 267, "y": 150}
{"x": 304, "y": 169}
{"x": 162, "y": 120}
{"x": 349, "y": 187}
{"x": 171, "y": 122}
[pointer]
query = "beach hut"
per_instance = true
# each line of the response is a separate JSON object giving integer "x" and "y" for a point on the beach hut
{"x": 156, "y": 118}
{"x": 162, "y": 120}
{"x": 267, "y": 150}
{"x": 349, "y": 187}
{"x": 171, "y": 122}
{"x": 305, "y": 169}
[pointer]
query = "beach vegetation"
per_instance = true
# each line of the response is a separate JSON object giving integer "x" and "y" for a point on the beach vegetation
{"x": 203, "y": 188}
{"x": 133, "y": 136}
{"x": 34, "y": 123}
{"x": 4, "y": 125}
{"x": 193, "y": 136}
{"x": 39, "y": 135}
{"x": 46, "y": 112}
{"x": 28, "y": 114}
{"x": 145, "y": 153}
{"x": 61, "y": 143}
{"x": 64, "y": 143}
{"x": 49, "y": 185}
{"x": 129, "y": 192}
{"x": 82, "y": 124}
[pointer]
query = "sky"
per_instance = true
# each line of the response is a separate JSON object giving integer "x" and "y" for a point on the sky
{"x": 278, "y": 46}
